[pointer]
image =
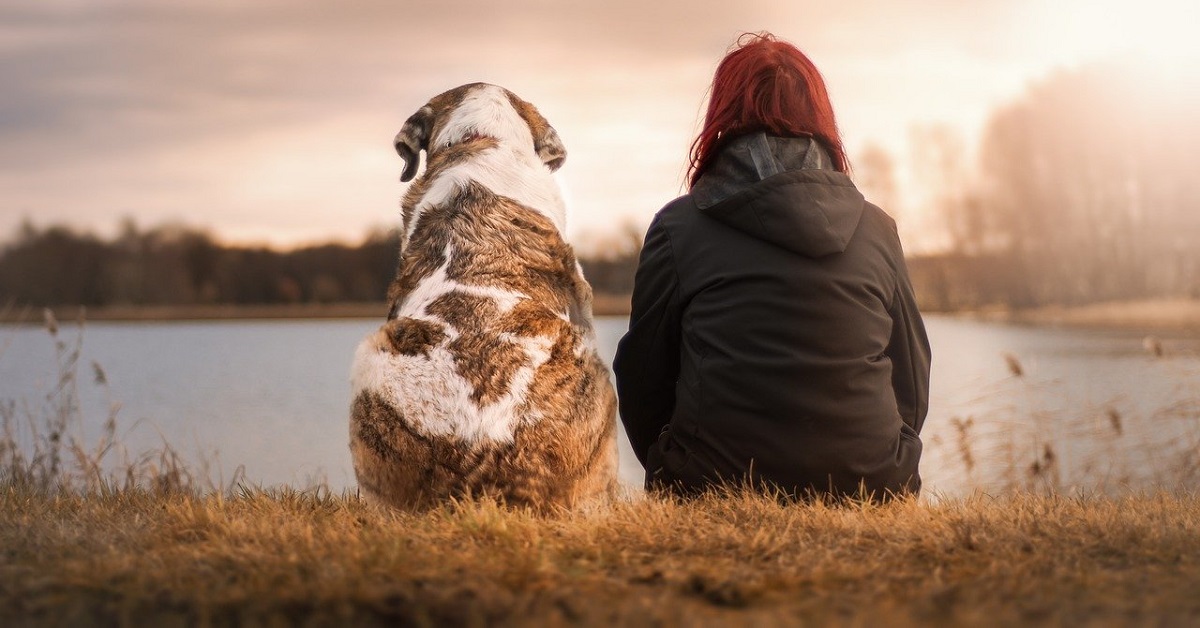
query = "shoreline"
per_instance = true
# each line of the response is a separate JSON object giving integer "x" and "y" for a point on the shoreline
{"x": 603, "y": 305}
{"x": 1160, "y": 316}
{"x": 172, "y": 313}
{"x": 1176, "y": 316}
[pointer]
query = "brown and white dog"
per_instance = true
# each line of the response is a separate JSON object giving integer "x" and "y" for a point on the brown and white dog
{"x": 485, "y": 379}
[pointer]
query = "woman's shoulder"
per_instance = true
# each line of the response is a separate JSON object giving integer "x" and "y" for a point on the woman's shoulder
{"x": 876, "y": 214}
{"x": 676, "y": 214}
{"x": 678, "y": 206}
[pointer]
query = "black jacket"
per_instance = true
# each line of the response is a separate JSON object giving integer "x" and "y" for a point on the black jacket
{"x": 774, "y": 331}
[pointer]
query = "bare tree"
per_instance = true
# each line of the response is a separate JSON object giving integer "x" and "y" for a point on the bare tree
{"x": 875, "y": 175}
{"x": 1088, "y": 189}
{"x": 943, "y": 169}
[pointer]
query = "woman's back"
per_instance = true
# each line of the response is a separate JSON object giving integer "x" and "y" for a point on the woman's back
{"x": 787, "y": 296}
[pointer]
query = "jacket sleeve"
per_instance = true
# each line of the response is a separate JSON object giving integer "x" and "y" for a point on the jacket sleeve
{"x": 647, "y": 360}
{"x": 909, "y": 352}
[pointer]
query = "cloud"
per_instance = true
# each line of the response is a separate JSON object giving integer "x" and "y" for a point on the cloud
{"x": 162, "y": 109}
{"x": 273, "y": 119}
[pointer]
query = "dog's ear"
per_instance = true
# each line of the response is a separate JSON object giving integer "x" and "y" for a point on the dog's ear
{"x": 412, "y": 139}
{"x": 546, "y": 142}
{"x": 550, "y": 148}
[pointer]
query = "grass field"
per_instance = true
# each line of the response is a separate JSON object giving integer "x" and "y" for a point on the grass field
{"x": 139, "y": 557}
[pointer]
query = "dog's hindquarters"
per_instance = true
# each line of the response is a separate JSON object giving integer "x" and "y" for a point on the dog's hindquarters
{"x": 561, "y": 451}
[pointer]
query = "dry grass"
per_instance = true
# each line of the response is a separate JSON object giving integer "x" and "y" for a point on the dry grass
{"x": 153, "y": 558}
{"x": 43, "y": 447}
{"x": 1010, "y": 441}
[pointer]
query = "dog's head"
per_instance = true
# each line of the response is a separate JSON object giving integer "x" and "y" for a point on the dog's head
{"x": 476, "y": 110}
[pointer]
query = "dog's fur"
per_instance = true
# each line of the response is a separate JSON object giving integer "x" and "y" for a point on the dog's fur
{"x": 485, "y": 379}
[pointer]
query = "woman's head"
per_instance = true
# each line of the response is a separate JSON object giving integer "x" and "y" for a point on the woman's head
{"x": 766, "y": 85}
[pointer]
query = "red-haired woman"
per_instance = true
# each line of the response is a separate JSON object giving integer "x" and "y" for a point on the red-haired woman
{"x": 774, "y": 338}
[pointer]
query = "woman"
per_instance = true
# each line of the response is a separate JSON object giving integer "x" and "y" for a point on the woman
{"x": 774, "y": 338}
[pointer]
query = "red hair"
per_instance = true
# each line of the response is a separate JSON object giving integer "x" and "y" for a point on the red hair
{"x": 764, "y": 84}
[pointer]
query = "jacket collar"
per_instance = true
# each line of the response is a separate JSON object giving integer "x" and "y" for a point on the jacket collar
{"x": 748, "y": 159}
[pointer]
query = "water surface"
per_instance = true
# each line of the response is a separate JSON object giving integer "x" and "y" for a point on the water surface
{"x": 274, "y": 396}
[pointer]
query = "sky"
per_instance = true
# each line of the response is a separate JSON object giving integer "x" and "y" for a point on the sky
{"x": 271, "y": 121}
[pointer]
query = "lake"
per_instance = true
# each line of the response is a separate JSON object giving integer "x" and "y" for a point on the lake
{"x": 1091, "y": 409}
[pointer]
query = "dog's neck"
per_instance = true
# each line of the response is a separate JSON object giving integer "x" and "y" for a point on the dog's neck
{"x": 506, "y": 171}
{"x": 510, "y": 167}
{"x": 472, "y": 136}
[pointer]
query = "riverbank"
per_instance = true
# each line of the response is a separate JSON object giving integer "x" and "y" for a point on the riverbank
{"x": 264, "y": 557}
{"x": 603, "y": 305}
{"x": 1163, "y": 315}
{"x": 1167, "y": 315}
{"x": 151, "y": 313}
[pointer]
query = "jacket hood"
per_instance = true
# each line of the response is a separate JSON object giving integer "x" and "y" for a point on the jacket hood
{"x": 782, "y": 190}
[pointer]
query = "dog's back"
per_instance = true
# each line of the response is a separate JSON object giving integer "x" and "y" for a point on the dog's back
{"x": 485, "y": 379}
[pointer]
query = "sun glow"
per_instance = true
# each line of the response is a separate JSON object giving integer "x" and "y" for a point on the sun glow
{"x": 1162, "y": 31}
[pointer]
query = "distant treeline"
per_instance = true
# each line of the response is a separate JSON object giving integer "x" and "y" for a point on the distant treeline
{"x": 184, "y": 266}
{"x": 1085, "y": 190}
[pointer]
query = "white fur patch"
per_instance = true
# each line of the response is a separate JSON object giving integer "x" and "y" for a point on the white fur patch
{"x": 428, "y": 391}
{"x": 434, "y": 400}
{"x": 438, "y": 284}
